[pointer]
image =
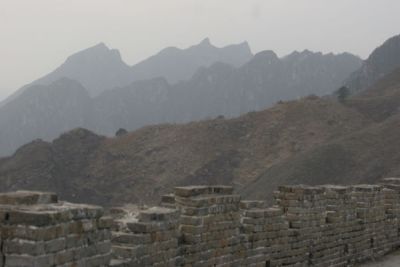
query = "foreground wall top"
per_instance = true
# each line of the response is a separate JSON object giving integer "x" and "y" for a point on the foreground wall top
{"x": 205, "y": 226}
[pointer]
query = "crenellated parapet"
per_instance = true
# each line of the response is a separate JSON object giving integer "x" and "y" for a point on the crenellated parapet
{"x": 206, "y": 226}
{"x": 307, "y": 226}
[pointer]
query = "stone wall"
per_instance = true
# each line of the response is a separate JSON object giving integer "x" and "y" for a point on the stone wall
{"x": 146, "y": 237}
{"x": 206, "y": 226}
{"x": 38, "y": 231}
{"x": 209, "y": 225}
{"x": 307, "y": 226}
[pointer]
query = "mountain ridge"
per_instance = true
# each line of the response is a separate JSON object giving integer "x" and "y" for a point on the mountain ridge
{"x": 312, "y": 140}
{"x": 217, "y": 90}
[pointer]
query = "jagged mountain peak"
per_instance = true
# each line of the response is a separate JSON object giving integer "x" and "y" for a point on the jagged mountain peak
{"x": 244, "y": 43}
{"x": 95, "y": 54}
{"x": 99, "y": 68}
{"x": 205, "y": 42}
{"x": 98, "y": 47}
{"x": 134, "y": 98}
{"x": 304, "y": 54}
{"x": 176, "y": 64}
{"x": 264, "y": 57}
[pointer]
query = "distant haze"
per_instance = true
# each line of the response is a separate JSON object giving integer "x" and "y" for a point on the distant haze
{"x": 37, "y": 36}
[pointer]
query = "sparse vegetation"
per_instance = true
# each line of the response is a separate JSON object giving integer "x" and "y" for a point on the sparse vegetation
{"x": 121, "y": 132}
{"x": 111, "y": 171}
{"x": 342, "y": 94}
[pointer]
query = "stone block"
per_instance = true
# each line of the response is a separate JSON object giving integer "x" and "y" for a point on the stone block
{"x": 158, "y": 214}
{"x": 27, "y": 198}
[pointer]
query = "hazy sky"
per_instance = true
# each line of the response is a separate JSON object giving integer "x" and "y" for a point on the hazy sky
{"x": 37, "y": 35}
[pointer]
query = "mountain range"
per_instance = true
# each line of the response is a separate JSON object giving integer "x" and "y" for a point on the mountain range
{"x": 95, "y": 89}
{"x": 100, "y": 68}
{"x": 312, "y": 140}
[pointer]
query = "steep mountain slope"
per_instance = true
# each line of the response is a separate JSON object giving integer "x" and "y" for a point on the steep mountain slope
{"x": 43, "y": 112}
{"x": 382, "y": 61}
{"x": 140, "y": 166}
{"x": 97, "y": 68}
{"x": 381, "y": 100}
{"x": 328, "y": 70}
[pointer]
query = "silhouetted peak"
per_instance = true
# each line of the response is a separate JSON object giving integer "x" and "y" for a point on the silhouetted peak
{"x": 80, "y": 136}
{"x": 94, "y": 53}
{"x": 296, "y": 55}
{"x": 245, "y": 45}
{"x": 99, "y": 48}
{"x": 100, "y": 45}
{"x": 393, "y": 40}
{"x": 205, "y": 42}
{"x": 306, "y": 52}
{"x": 267, "y": 56}
{"x": 389, "y": 46}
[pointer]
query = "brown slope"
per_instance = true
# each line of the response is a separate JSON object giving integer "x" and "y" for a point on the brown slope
{"x": 362, "y": 157}
{"x": 365, "y": 155}
{"x": 381, "y": 100}
{"x": 144, "y": 164}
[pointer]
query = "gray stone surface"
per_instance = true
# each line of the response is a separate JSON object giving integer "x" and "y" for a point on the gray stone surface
{"x": 37, "y": 230}
{"x": 208, "y": 226}
{"x": 308, "y": 226}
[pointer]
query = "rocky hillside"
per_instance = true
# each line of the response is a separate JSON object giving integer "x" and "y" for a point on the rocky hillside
{"x": 360, "y": 157}
{"x": 312, "y": 140}
{"x": 139, "y": 166}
